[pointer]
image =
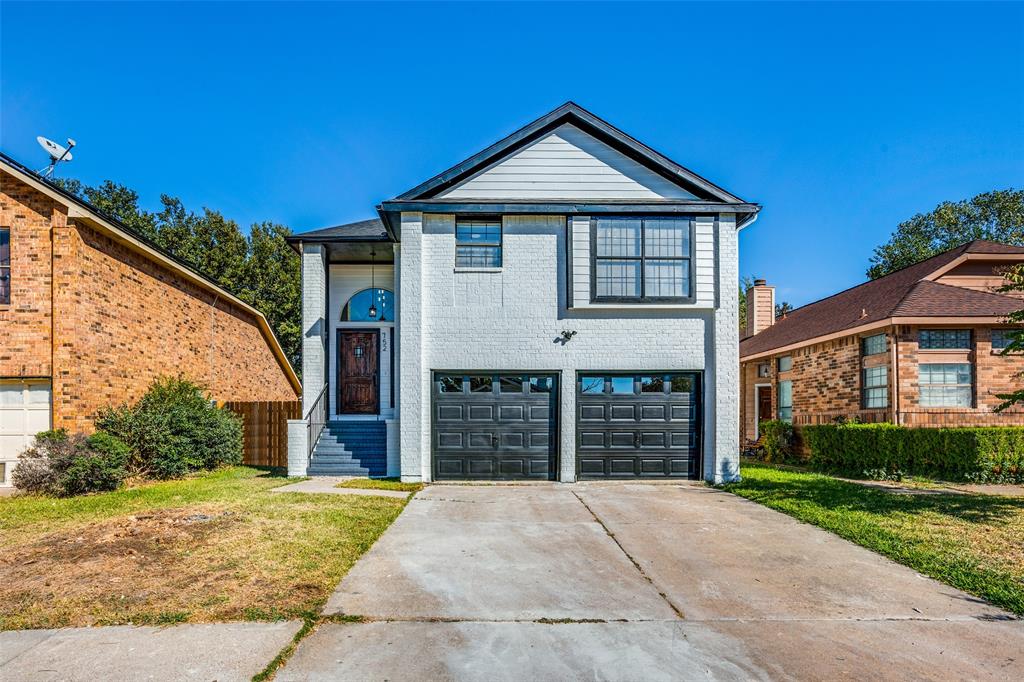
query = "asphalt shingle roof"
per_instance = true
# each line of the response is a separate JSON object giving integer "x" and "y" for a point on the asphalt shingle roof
{"x": 904, "y": 293}
{"x": 371, "y": 229}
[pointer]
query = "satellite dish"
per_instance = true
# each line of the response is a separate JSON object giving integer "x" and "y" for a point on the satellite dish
{"x": 57, "y": 153}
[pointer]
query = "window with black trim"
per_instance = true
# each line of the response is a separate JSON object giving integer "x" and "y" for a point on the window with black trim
{"x": 5, "y": 265}
{"x": 638, "y": 259}
{"x": 478, "y": 243}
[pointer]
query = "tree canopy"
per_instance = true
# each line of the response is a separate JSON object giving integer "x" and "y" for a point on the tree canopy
{"x": 997, "y": 216}
{"x": 261, "y": 269}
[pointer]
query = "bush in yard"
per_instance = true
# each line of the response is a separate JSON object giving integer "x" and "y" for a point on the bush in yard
{"x": 174, "y": 429}
{"x": 62, "y": 465}
{"x": 777, "y": 439}
{"x": 983, "y": 454}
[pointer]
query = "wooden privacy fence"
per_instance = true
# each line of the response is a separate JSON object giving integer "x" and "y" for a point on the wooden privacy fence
{"x": 265, "y": 430}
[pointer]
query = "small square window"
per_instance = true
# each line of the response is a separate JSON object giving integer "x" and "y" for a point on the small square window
{"x": 873, "y": 345}
{"x": 945, "y": 339}
{"x": 592, "y": 385}
{"x": 622, "y": 385}
{"x": 785, "y": 363}
{"x": 481, "y": 384}
{"x": 511, "y": 384}
{"x": 450, "y": 384}
{"x": 1001, "y": 338}
{"x": 541, "y": 384}
{"x": 682, "y": 384}
{"x": 652, "y": 384}
{"x": 478, "y": 244}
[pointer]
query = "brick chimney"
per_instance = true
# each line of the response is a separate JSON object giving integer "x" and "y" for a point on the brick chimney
{"x": 760, "y": 307}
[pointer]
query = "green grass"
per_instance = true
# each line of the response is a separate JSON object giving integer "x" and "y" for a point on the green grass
{"x": 381, "y": 484}
{"x": 972, "y": 542}
{"x": 215, "y": 547}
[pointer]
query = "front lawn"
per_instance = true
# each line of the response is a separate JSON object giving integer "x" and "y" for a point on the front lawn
{"x": 381, "y": 484}
{"x": 972, "y": 542}
{"x": 218, "y": 546}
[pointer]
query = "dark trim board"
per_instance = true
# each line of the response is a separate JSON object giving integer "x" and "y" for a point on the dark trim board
{"x": 484, "y": 437}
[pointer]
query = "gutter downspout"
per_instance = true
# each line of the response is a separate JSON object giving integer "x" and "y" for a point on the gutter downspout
{"x": 896, "y": 374}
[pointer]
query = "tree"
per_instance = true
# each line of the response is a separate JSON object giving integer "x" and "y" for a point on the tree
{"x": 116, "y": 201}
{"x": 270, "y": 282}
{"x": 782, "y": 309}
{"x": 997, "y": 215}
{"x": 1014, "y": 283}
{"x": 745, "y": 283}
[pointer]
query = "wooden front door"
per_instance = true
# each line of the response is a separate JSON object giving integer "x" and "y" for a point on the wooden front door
{"x": 358, "y": 354}
{"x": 764, "y": 405}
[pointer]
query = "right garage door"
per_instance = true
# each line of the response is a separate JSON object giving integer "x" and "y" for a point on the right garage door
{"x": 638, "y": 425}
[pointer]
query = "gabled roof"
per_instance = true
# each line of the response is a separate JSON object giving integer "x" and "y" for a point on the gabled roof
{"x": 903, "y": 293}
{"x": 572, "y": 113}
{"x": 372, "y": 230}
{"x": 79, "y": 208}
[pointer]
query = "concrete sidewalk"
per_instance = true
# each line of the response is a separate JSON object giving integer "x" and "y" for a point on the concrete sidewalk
{"x": 632, "y": 581}
{"x": 223, "y": 652}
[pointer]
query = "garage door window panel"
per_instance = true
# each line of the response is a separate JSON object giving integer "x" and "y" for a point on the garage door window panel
{"x": 642, "y": 259}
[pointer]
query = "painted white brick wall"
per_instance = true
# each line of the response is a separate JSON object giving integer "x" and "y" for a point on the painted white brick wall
{"x": 314, "y": 332}
{"x": 446, "y": 324}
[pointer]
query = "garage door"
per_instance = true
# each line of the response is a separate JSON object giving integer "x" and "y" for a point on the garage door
{"x": 637, "y": 425}
{"x": 24, "y": 412}
{"x": 494, "y": 426}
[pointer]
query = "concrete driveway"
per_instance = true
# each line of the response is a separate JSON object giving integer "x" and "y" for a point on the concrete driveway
{"x": 619, "y": 581}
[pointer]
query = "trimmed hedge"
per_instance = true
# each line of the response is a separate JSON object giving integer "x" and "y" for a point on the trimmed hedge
{"x": 982, "y": 454}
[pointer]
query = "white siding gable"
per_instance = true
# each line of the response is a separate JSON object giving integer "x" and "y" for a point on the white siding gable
{"x": 567, "y": 164}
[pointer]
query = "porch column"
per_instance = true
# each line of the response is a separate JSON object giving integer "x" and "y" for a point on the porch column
{"x": 314, "y": 323}
{"x": 413, "y": 434}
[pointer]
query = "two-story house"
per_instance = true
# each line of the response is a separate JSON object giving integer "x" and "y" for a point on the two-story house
{"x": 559, "y": 306}
{"x": 921, "y": 346}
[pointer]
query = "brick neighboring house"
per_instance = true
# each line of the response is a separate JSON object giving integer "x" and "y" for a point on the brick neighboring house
{"x": 918, "y": 347}
{"x": 90, "y": 314}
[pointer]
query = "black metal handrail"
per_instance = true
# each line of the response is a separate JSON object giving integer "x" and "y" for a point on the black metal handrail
{"x": 316, "y": 420}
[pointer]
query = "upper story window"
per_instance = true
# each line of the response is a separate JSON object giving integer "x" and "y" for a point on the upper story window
{"x": 5, "y": 265}
{"x": 785, "y": 363}
{"x": 945, "y": 339}
{"x": 1001, "y": 338}
{"x": 873, "y": 345}
{"x": 478, "y": 243}
{"x": 641, "y": 259}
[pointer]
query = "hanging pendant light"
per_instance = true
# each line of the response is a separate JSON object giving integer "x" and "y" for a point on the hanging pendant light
{"x": 372, "y": 312}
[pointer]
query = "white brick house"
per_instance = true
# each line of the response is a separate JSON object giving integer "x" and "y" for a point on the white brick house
{"x": 561, "y": 305}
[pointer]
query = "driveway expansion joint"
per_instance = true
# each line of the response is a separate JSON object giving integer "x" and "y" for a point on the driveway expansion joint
{"x": 636, "y": 564}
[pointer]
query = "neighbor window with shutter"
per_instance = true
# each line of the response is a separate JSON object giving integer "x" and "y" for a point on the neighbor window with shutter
{"x": 5, "y": 265}
{"x": 641, "y": 259}
{"x": 478, "y": 243}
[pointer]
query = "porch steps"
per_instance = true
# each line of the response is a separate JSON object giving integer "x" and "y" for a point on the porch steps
{"x": 351, "y": 448}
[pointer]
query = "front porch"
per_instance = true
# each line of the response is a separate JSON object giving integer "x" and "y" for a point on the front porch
{"x": 350, "y": 392}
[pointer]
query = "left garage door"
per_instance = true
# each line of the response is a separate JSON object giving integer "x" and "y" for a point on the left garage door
{"x": 24, "y": 412}
{"x": 494, "y": 426}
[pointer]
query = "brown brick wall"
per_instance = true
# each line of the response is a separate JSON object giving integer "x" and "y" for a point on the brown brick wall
{"x": 25, "y": 324}
{"x": 121, "y": 319}
{"x": 827, "y": 381}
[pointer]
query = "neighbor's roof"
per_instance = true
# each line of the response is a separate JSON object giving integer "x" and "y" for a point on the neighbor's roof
{"x": 371, "y": 230}
{"x": 905, "y": 293}
{"x": 79, "y": 208}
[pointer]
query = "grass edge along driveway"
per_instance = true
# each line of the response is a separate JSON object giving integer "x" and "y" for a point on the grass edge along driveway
{"x": 210, "y": 548}
{"x": 969, "y": 541}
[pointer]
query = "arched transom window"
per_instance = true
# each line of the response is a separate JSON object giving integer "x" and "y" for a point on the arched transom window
{"x": 370, "y": 305}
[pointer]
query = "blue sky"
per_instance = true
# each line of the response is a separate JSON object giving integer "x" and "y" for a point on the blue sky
{"x": 841, "y": 119}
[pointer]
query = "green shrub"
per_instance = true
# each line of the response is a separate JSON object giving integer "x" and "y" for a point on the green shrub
{"x": 63, "y": 465}
{"x": 174, "y": 429}
{"x": 777, "y": 439}
{"x": 983, "y": 454}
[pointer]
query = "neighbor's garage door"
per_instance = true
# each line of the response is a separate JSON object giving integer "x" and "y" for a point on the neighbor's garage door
{"x": 637, "y": 426}
{"x": 494, "y": 426}
{"x": 24, "y": 412}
